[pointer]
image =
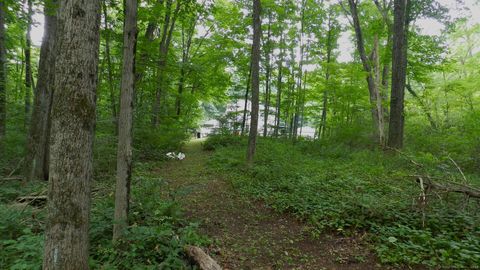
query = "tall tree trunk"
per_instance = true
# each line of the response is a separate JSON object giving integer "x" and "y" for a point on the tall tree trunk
{"x": 298, "y": 102}
{"x": 124, "y": 148}
{"x": 257, "y": 33}
{"x": 373, "y": 88}
{"x": 3, "y": 72}
{"x": 168, "y": 27}
{"x": 108, "y": 57}
{"x": 323, "y": 119}
{"x": 267, "y": 79}
{"x": 186, "y": 45}
{"x": 73, "y": 123}
{"x": 289, "y": 113}
{"x": 379, "y": 109}
{"x": 279, "y": 89}
{"x": 36, "y": 160}
{"x": 399, "y": 71}
{"x": 28, "y": 63}
{"x": 302, "y": 106}
{"x": 247, "y": 92}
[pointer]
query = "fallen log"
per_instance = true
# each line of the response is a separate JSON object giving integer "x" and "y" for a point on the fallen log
{"x": 202, "y": 259}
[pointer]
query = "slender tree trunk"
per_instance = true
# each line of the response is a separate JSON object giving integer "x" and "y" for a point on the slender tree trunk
{"x": 167, "y": 33}
{"x": 3, "y": 72}
{"x": 323, "y": 119}
{"x": 298, "y": 102}
{"x": 425, "y": 110}
{"x": 108, "y": 57}
{"x": 399, "y": 71}
{"x": 279, "y": 89}
{"x": 73, "y": 123}
{"x": 267, "y": 79}
{"x": 247, "y": 92}
{"x": 149, "y": 36}
{"x": 302, "y": 106}
{"x": 373, "y": 88}
{"x": 124, "y": 148}
{"x": 186, "y": 45}
{"x": 28, "y": 64}
{"x": 36, "y": 160}
{"x": 379, "y": 109}
{"x": 290, "y": 110}
{"x": 257, "y": 33}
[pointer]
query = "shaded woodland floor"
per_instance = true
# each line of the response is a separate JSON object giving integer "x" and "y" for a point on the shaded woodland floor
{"x": 248, "y": 235}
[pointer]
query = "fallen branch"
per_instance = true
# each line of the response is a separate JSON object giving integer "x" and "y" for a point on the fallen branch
{"x": 33, "y": 200}
{"x": 451, "y": 187}
{"x": 19, "y": 164}
{"x": 13, "y": 178}
{"x": 201, "y": 258}
{"x": 458, "y": 168}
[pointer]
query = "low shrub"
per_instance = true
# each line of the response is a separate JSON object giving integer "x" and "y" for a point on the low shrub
{"x": 221, "y": 140}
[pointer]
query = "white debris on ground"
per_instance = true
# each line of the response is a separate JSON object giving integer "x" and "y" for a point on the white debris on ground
{"x": 173, "y": 155}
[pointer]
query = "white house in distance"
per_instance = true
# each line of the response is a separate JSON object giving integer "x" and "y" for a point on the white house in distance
{"x": 233, "y": 116}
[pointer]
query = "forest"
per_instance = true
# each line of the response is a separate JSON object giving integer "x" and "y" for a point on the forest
{"x": 237, "y": 134}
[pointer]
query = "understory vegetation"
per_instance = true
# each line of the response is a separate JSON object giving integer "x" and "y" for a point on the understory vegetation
{"x": 367, "y": 114}
{"x": 348, "y": 188}
{"x": 158, "y": 233}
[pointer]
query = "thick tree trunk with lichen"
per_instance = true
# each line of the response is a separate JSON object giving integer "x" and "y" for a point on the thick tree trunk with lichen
{"x": 73, "y": 123}
{"x": 124, "y": 148}
{"x": 257, "y": 33}
{"x": 36, "y": 160}
{"x": 3, "y": 72}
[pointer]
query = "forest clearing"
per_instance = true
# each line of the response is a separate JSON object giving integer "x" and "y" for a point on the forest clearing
{"x": 233, "y": 134}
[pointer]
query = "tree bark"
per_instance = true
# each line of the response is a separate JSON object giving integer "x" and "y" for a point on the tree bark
{"x": 124, "y": 149}
{"x": 73, "y": 123}
{"x": 399, "y": 71}
{"x": 36, "y": 160}
{"x": 257, "y": 33}
{"x": 3, "y": 72}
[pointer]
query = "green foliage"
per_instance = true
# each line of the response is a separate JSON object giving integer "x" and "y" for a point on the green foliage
{"x": 21, "y": 241}
{"x": 156, "y": 237}
{"x": 153, "y": 144}
{"x": 215, "y": 142}
{"x": 158, "y": 232}
{"x": 341, "y": 188}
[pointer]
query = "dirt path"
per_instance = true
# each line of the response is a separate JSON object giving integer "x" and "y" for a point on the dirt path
{"x": 249, "y": 235}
